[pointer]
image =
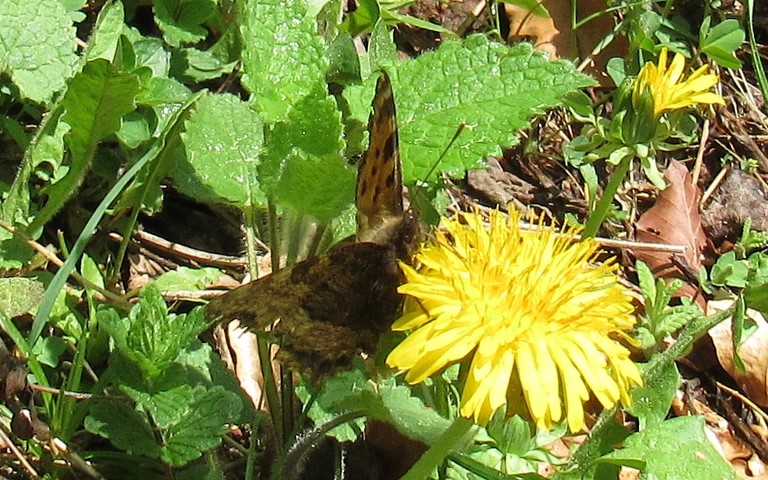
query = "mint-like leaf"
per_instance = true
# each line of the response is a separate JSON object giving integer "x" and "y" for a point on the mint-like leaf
{"x": 182, "y": 20}
{"x": 490, "y": 88}
{"x": 150, "y": 336}
{"x": 37, "y": 46}
{"x": 283, "y": 59}
{"x": 192, "y": 420}
{"x": 223, "y": 142}
{"x": 124, "y": 426}
{"x": 303, "y": 166}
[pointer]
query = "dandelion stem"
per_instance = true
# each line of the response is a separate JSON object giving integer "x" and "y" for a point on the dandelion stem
{"x": 449, "y": 441}
{"x": 598, "y": 215}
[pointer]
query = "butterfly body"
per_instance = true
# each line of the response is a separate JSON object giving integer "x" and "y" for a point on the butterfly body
{"x": 326, "y": 309}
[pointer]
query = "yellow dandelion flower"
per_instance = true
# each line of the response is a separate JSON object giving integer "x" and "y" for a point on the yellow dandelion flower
{"x": 668, "y": 88}
{"x": 530, "y": 313}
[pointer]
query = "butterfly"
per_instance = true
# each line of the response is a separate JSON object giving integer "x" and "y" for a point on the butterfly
{"x": 325, "y": 310}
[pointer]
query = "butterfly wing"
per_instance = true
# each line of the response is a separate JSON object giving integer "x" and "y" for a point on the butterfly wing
{"x": 379, "y": 192}
{"x": 327, "y": 307}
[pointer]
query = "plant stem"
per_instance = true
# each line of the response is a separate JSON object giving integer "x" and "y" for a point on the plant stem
{"x": 265, "y": 361}
{"x": 447, "y": 443}
{"x": 596, "y": 218}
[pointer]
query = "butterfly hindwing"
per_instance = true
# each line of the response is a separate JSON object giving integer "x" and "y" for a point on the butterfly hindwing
{"x": 326, "y": 315}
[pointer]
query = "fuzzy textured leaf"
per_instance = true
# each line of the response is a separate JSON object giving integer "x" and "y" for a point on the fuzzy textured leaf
{"x": 303, "y": 166}
{"x": 19, "y": 295}
{"x": 37, "y": 46}
{"x": 185, "y": 278}
{"x": 490, "y": 88}
{"x": 651, "y": 402}
{"x": 124, "y": 426}
{"x": 223, "y": 143}
{"x": 192, "y": 420}
{"x": 283, "y": 57}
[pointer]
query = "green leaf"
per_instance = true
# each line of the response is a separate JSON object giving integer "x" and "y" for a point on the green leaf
{"x": 742, "y": 327}
{"x": 37, "y": 47}
{"x": 192, "y": 420}
{"x": 125, "y": 427}
{"x": 363, "y": 19}
{"x": 693, "y": 458}
{"x": 720, "y": 42}
{"x": 336, "y": 394}
{"x": 49, "y": 350}
{"x": 73, "y": 8}
{"x": 223, "y": 144}
{"x": 651, "y": 402}
{"x": 283, "y": 57}
{"x": 756, "y": 291}
{"x": 105, "y": 38}
{"x": 96, "y": 100}
{"x": 488, "y": 87}
{"x": 729, "y": 271}
{"x": 409, "y": 414}
{"x": 303, "y": 167}
{"x": 202, "y": 65}
{"x": 185, "y": 278}
{"x": 19, "y": 295}
{"x": 151, "y": 337}
{"x": 182, "y": 20}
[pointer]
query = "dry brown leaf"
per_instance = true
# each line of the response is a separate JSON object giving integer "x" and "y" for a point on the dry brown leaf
{"x": 754, "y": 352}
{"x": 555, "y": 36}
{"x": 674, "y": 219}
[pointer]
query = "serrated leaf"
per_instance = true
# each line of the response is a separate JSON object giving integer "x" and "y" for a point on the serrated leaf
{"x": 694, "y": 456}
{"x": 96, "y": 100}
{"x": 283, "y": 57}
{"x": 37, "y": 46}
{"x": 489, "y": 88}
{"x": 126, "y": 428}
{"x": 675, "y": 319}
{"x": 192, "y": 420}
{"x": 150, "y": 336}
{"x": 19, "y": 295}
{"x": 223, "y": 144}
{"x": 182, "y": 20}
{"x": 303, "y": 167}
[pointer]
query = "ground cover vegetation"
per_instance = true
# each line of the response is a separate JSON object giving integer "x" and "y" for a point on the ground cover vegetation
{"x": 486, "y": 240}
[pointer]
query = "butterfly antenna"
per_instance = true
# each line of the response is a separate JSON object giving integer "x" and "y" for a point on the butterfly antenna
{"x": 432, "y": 169}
